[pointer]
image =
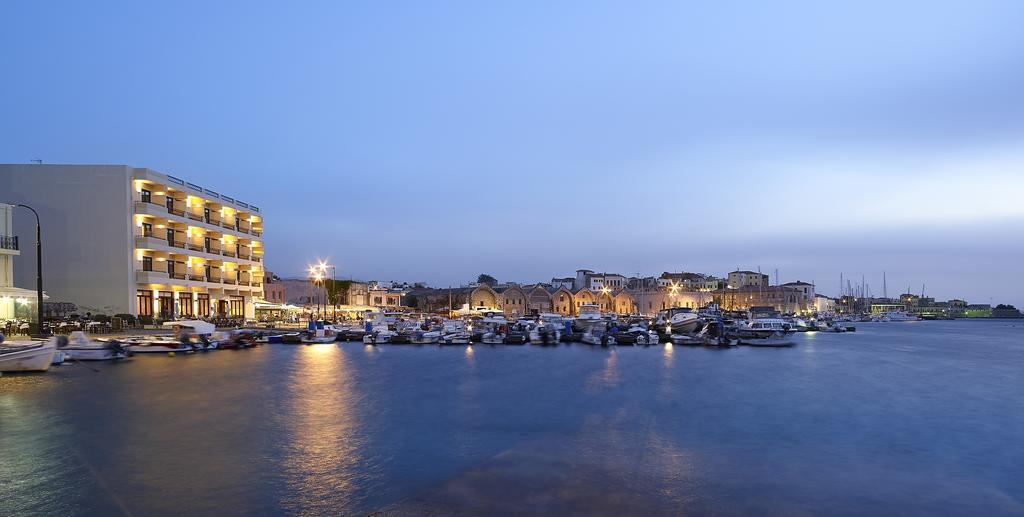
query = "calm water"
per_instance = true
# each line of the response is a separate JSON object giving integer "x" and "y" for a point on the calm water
{"x": 901, "y": 418}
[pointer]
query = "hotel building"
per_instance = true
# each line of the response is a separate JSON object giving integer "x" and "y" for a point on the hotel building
{"x": 126, "y": 240}
{"x": 14, "y": 302}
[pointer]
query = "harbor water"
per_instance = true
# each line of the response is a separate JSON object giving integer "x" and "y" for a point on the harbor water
{"x": 917, "y": 418}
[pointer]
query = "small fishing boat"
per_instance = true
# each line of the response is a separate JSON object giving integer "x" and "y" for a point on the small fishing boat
{"x": 79, "y": 347}
{"x": 33, "y": 356}
{"x": 378, "y": 336}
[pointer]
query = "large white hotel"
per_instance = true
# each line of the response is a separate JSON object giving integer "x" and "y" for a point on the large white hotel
{"x": 120, "y": 239}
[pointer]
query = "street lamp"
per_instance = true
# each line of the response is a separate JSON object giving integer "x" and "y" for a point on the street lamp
{"x": 39, "y": 274}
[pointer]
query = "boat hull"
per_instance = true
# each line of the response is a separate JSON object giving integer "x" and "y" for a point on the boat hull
{"x": 91, "y": 353}
{"x": 27, "y": 359}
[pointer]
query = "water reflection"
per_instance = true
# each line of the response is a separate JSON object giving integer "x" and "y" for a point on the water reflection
{"x": 608, "y": 376}
{"x": 322, "y": 452}
{"x": 666, "y": 353}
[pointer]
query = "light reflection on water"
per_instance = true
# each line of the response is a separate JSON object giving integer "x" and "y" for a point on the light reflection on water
{"x": 856, "y": 423}
{"x": 322, "y": 453}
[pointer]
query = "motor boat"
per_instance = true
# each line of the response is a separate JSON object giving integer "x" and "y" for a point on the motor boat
{"x": 590, "y": 314}
{"x": 899, "y": 316}
{"x": 677, "y": 320}
{"x": 636, "y": 335}
{"x": 31, "y": 356}
{"x": 455, "y": 332}
{"x": 425, "y": 337}
{"x": 378, "y": 336}
{"x": 79, "y": 347}
{"x": 774, "y": 339}
{"x": 157, "y": 345}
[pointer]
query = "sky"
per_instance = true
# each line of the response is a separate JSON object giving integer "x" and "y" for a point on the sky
{"x": 434, "y": 141}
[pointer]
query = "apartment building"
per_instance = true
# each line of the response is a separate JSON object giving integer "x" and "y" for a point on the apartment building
{"x": 120, "y": 239}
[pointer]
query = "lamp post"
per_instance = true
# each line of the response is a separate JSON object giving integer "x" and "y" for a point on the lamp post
{"x": 39, "y": 274}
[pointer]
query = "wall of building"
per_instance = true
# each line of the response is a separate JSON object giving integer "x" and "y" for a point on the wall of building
{"x": 86, "y": 227}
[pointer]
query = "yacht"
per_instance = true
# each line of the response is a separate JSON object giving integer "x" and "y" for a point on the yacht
{"x": 899, "y": 316}
{"x": 590, "y": 313}
{"x": 677, "y": 320}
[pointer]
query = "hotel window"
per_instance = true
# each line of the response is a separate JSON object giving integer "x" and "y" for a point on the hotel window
{"x": 166, "y": 303}
{"x": 144, "y": 303}
{"x": 147, "y": 230}
{"x": 206, "y": 214}
{"x": 204, "y": 304}
{"x": 170, "y": 236}
{"x": 147, "y": 263}
{"x": 147, "y": 196}
{"x": 170, "y": 203}
{"x": 185, "y": 302}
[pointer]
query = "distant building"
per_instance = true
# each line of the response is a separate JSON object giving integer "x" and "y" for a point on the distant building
{"x": 823, "y": 304}
{"x": 739, "y": 279}
{"x": 273, "y": 289}
{"x": 807, "y": 290}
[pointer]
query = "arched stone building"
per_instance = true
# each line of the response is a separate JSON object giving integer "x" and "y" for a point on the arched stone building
{"x": 539, "y": 300}
{"x": 563, "y": 301}
{"x": 514, "y": 301}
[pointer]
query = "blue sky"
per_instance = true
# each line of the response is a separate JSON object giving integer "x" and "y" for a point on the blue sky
{"x": 435, "y": 141}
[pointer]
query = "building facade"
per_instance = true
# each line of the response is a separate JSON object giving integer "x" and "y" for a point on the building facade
{"x": 127, "y": 240}
{"x": 15, "y": 303}
{"x": 739, "y": 279}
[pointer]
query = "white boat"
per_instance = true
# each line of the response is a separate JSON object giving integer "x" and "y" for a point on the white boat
{"x": 677, "y": 320}
{"x": 378, "y": 336}
{"x": 79, "y": 347}
{"x": 775, "y": 339}
{"x": 158, "y": 345}
{"x": 764, "y": 326}
{"x": 899, "y": 316}
{"x": 425, "y": 337}
{"x": 831, "y": 327}
{"x": 32, "y": 356}
{"x": 589, "y": 314}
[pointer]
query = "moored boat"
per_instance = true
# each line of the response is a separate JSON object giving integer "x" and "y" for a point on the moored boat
{"x": 33, "y": 356}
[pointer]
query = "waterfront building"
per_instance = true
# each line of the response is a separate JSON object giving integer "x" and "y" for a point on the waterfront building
{"x": 127, "y": 240}
{"x": 823, "y": 304}
{"x": 539, "y": 299}
{"x": 563, "y": 301}
{"x": 739, "y": 279}
{"x": 273, "y": 288}
{"x": 783, "y": 299}
{"x": 15, "y": 303}
{"x": 807, "y": 291}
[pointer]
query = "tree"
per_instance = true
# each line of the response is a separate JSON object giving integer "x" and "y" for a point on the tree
{"x": 337, "y": 291}
{"x": 486, "y": 279}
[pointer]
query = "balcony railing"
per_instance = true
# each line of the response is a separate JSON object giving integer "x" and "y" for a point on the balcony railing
{"x": 227, "y": 224}
{"x": 230, "y": 281}
{"x": 199, "y": 277}
{"x": 177, "y": 276}
{"x": 212, "y": 220}
{"x": 177, "y": 244}
{"x": 215, "y": 251}
{"x": 9, "y": 243}
{"x": 256, "y": 284}
{"x": 258, "y": 233}
{"x": 195, "y": 247}
{"x": 174, "y": 210}
{"x": 228, "y": 253}
{"x": 244, "y": 228}
{"x": 256, "y": 258}
{"x": 245, "y": 256}
{"x": 194, "y": 216}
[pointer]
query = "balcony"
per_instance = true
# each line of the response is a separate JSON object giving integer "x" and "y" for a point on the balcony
{"x": 197, "y": 278}
{"x": 176, "y": 276}
{"x": 177, "y": 244}
{"x": 258, "y": 232}
{"x": 225, "y": 224}
{"x": 195, "y": 216}
{"x": 212, "y": 250}
{"x": 195, "y": 247}
{"x": 244, "y": 228}
{"x": 231, "y": 281}
{"x": 151, "y": 277}
{"x": 149, "y": 242}
{"x": 8, "y": 243}
{"x": 173, "y": 209}
{"x": 228, "y": 253}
